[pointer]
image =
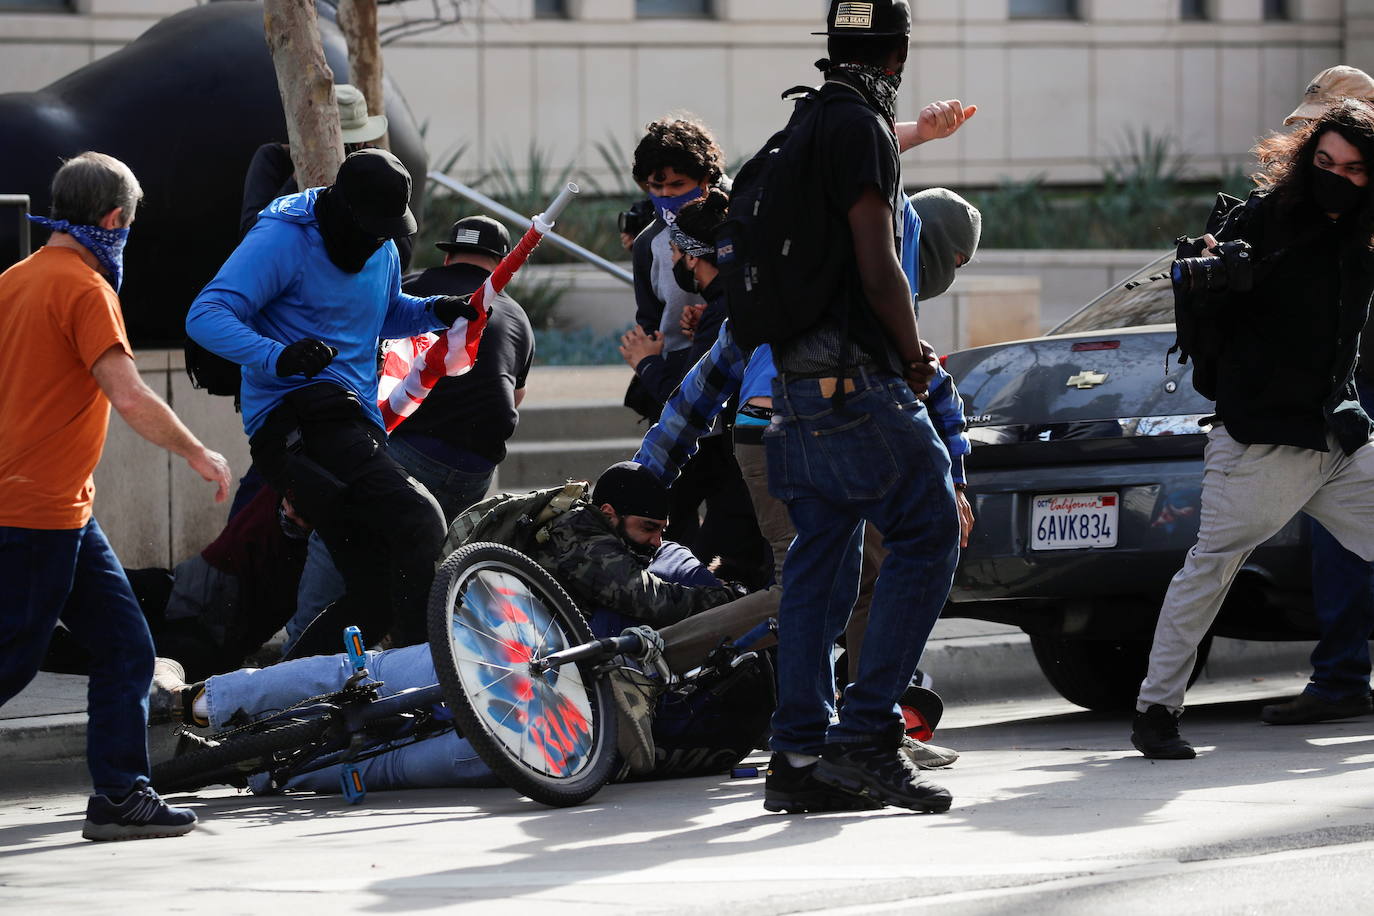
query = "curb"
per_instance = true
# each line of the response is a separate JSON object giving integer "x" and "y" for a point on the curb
{"x": 968, "y": 669}
{"x": 1003, "y": 667}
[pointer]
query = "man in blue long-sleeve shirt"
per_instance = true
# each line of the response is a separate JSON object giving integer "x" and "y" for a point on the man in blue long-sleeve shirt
{"x": 300, "y": 305}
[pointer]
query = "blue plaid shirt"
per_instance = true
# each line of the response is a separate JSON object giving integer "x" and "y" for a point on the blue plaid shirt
{"x": 716, "y": 377}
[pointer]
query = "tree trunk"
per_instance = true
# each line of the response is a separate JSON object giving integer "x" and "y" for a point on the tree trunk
{"x": 306, "y": 84}
{"x": 358, "y": 22}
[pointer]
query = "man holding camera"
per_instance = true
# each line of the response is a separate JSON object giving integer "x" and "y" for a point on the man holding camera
{"x": 1289, "y": 435}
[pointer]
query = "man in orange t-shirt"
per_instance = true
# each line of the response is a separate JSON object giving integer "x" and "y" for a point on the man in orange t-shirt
{"x": 66, "y": 359}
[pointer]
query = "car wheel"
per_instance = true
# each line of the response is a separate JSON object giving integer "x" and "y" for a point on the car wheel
{"x": 1099, "y": 674}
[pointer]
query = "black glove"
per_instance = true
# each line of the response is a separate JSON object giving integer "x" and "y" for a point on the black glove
{"x": 449, "y": 309}
{"x": 305, "y": 357}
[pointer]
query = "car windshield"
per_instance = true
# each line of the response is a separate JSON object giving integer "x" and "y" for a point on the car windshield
{"x": 1147, "y": 298}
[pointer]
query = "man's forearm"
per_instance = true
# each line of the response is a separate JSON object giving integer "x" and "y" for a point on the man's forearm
{"x": 890, "y": 298}
{"x": 151, "y": 418}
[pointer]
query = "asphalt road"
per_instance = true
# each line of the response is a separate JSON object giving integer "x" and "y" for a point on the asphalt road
{"x": 1053, "y": 813}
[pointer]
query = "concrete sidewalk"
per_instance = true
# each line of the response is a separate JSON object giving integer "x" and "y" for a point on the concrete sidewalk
{"x": 970, "y": 660}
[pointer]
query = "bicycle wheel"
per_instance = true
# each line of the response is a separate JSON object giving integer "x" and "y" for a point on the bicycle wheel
{"x": 237, "y": 756}
{"x": 549, "y": 736}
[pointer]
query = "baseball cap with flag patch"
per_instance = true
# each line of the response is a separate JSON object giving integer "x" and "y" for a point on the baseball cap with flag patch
{"x": 477, "y": 233}
{"x": 870, "y": 18}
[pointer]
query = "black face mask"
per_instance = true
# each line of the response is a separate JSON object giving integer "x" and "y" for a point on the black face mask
{"x": 347, "y": 245}
{"x": 685, "y": 277}
{"x": 1335, "y": 193}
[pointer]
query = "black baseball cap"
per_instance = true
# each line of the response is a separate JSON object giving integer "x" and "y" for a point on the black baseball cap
{"x": 631, "y": 489}
{"x": 869, "y": 19}
{"x": 376, "y": 187}
{"x": 477, "y": 233}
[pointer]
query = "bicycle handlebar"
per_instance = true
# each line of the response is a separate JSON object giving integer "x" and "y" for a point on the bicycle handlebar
{"x": 597, "y": 650}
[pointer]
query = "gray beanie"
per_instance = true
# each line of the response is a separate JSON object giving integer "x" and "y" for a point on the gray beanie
{"x": 950, "y": 226}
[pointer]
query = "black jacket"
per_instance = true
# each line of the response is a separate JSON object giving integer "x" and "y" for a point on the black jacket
{"x": 1287, "y": 360}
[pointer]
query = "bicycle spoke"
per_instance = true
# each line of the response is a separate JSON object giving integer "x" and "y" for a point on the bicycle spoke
{"x": 479, "y": 632}
{"x": 529, "y": 726}
{"x": 543, "y": 638}
{"x": 509, "y": 673}
{"x": 482, "y": 661}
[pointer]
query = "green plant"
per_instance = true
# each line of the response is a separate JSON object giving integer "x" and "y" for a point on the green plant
{"x": 539, "y": 298}
{"x": 579, "y": 347}
{"x": 1146, "y": 199}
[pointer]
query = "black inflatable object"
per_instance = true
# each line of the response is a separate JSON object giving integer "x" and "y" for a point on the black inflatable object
{"x": 185, "y": 105}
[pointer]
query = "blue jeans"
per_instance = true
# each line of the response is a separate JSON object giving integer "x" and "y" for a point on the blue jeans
{"x": 1343, "y": 599}
{"x": 445, "y": 760}
{"x": 321, "y": 585}
{"x": 456, "y": 489}
{"x": 877, "y": 459}
{"x": 73, "y": 576}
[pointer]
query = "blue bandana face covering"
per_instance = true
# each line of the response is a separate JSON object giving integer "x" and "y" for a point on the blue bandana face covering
{"x": 106, "y": 244}
{"x": 667, "y": 207}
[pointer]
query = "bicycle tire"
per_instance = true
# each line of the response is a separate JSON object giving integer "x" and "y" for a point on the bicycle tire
{"x": 555, "y": 741}
{"x": 225, "y": 762}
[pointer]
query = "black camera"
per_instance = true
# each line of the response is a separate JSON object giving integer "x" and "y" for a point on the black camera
{"x": 1230, "y": 269}
{"x": 633, "y": 221}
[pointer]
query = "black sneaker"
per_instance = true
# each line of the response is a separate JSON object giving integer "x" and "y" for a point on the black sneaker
{"x": 1155, "y": 734}
{"x": 881, "y": 771}
{"x": 141, "y": 816}
{"x": 796, "y": 791}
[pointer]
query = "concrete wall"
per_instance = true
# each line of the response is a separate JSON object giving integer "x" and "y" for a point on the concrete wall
{"x": 1056, "y": 97}
{"x": 1047, "y": 286}
{"x": 1068, "y": 280}
{"x": 154, "y": 508}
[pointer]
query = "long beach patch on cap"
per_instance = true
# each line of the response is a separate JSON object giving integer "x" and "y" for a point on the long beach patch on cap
{"x": 854, "y": 16}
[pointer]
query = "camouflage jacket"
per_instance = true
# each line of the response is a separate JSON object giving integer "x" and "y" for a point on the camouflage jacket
{"x": 584, "y": 553}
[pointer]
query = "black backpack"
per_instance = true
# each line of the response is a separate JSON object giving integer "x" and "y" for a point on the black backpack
{"x": 1198, "y": 329}
{"x": 212, "y": 372}
{"x": 772, "y": 247}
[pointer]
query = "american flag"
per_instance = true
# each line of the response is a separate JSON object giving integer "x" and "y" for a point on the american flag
{"x": 412, "y": 367}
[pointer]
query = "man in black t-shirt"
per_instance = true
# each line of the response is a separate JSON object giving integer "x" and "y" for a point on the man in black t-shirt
{"x": 457, "y": 437}
{"x": 851, "y": 443}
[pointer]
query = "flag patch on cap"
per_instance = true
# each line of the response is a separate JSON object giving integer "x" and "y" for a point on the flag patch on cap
{"x": 467, "y": 237}
{"x": 854, "y": 16}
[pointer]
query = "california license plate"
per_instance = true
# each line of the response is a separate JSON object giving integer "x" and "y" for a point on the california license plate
{"x": 1070, "y": 521}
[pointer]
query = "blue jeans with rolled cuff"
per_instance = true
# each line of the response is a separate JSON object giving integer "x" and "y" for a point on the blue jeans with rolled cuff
{"x": 876, "y": 457}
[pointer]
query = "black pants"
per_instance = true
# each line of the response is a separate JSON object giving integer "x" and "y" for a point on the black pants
{"x": 383, "y": 529}
{"x": 730, "y": 530}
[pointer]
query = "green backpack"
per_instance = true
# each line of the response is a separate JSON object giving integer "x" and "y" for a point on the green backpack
{"x": 514, "y": 519}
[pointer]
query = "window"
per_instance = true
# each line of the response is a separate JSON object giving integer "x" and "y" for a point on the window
{"x": 1044, "y": 9}
{"x": 672, "y": 9}
{"x": 1276, "y": 9}
{"x": 550, "y": 9}
{"x": 1193, "y": 9}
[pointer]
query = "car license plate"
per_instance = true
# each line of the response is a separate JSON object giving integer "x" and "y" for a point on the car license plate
{"x": 1069, "y": 521}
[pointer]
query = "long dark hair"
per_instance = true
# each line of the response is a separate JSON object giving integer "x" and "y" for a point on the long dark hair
{"x": 1286, "y": 159}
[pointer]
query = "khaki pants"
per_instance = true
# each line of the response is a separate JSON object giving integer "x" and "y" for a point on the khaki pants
{"x": 1249, "y": 492}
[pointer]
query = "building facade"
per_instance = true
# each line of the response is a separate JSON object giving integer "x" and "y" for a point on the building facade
{"x": 1060, "y": 84}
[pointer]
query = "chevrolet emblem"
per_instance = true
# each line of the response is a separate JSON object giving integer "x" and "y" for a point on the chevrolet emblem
{"x": 1087, "y": 379}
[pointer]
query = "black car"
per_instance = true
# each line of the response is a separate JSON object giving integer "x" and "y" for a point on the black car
{"x": 1086, "y": 482}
